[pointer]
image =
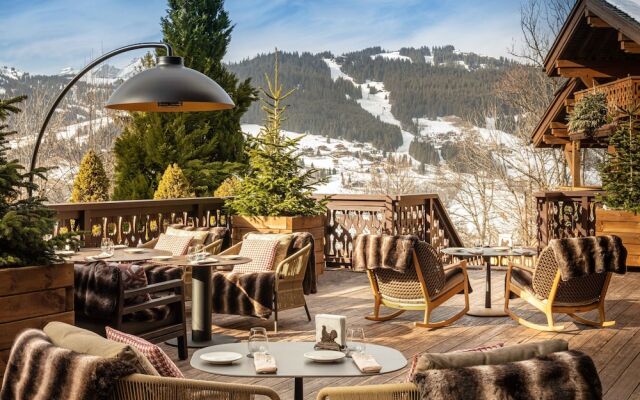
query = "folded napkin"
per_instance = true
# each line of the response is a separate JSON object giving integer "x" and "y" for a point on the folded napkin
{"x": 264, "y": 363}
{"x": 366, "y": 363}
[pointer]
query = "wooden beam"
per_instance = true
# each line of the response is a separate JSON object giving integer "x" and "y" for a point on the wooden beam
{"x": 627, "y": 45}
{"x": 597, "y": 22}
{"x": 560, "y": 133}
{"x": 597, "y": 68}
{"x": 558, "y": 125}
{"x": 550, "y": 139}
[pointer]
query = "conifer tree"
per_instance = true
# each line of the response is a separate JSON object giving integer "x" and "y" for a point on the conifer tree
{"x": 173, "y": 185}
{"x": 621, "y": 170}
{"x": 277, "y": 184}
{"x": 208, "y": 145}
{"x": 91, "y": 182}
{"x": 24, "y": 221}
{"x": 230, "y": 187}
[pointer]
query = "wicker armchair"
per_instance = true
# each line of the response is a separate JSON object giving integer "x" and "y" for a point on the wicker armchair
{"x": 424, "y": 287}
{"x": 392, "y": 391}
{"x": 288, "y": 291}
{"x": 145, "y": 387}
{"x": 542, "y": 288}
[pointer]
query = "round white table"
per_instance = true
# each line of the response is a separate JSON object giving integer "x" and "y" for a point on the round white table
{"x": 292, "y": 364}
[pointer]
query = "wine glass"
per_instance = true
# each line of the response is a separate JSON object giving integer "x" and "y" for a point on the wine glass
{"x": 258, "y": 341}
{"x": 196, "y": 253}
{"x": 107, "y": 246}
{"x": 356, "y": 342}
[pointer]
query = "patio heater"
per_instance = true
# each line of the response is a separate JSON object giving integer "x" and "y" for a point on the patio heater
{"x": 167, "y": 87}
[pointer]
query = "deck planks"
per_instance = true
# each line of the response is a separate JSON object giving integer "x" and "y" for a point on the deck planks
{"x": 615, "y": 351}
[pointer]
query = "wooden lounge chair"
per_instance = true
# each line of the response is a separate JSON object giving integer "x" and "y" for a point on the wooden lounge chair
{"x": 288, "y": 292}
{"x": 424, "y": 287}
{"x": 142, "y": 387}
{"x": 543, "y": 288}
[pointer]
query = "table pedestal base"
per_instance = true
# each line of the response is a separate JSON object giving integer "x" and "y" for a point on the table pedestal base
{"x": 198, "y": 344}
{"x": 495, "y": 311}
{"x": 298, "y": 392}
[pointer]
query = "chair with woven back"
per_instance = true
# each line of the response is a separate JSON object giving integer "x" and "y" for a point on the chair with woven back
{"x": 425, "y": 285}
{"x": 545, "y": 287}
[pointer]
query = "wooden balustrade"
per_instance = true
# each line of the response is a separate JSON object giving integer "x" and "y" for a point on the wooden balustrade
{"x": 564, "y": 214}
{"x": 620, "y": 93}
{"x": 135, "y": 221}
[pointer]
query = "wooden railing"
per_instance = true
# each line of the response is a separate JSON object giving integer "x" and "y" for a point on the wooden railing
{"x": 564, "y": 214}
{"x": 620, "y": 94}
{"x": 349, "y": 215}
{"x": 137, "y": 221}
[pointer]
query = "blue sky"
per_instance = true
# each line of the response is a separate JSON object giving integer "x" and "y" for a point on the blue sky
{"x": 44, "y": 36}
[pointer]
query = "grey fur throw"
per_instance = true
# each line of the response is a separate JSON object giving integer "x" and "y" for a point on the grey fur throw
{"x": 566, "y": 375}
{"x": 299, "y": 241}
{"x": 38, "y": 370}
{"x": 383, "y": 251}
{"x": 249, "y": 294}
{"x": 578, "y": 257}
{"x": 96, "y": 289}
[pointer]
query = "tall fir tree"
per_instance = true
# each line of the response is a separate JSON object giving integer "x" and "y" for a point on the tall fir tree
{"x": 173, "y": 185}
{"x": 620, "y": 171}
{"x": 91, "y": 182}
{"x": 208, "y": 145}
{"x": 277, "y": 183}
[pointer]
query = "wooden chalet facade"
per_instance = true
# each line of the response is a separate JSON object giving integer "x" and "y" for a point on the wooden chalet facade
{"x": 598, "y": 48}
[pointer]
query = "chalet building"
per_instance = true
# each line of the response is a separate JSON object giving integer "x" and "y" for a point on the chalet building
{"x": 598, "y": 48}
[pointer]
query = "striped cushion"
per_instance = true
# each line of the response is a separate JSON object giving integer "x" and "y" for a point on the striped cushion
{"x": 158, "y": 358}
{"x": 262, "y": 254}
{"x": 177, "y": 245}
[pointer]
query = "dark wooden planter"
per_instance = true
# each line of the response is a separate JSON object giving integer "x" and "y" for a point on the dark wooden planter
{"x": 313, "y": 224}
{"x": 31, "y": 297}
{"x": 624, "y": 224}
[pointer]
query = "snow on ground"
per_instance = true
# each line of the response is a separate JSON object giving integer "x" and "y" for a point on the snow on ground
{"x": 629, "y": 7}
{"x": 71, "y": 131}
{"x": 11, "y": 72}
{"x": 394, "y": 55}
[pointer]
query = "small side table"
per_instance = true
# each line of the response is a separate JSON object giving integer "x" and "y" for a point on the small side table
{"x": 487, "y": 253}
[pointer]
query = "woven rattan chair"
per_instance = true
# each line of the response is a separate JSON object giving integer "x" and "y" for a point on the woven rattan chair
{"x": 424, "y": 287}
{"x": 145, "y": 387}
{"x": 543, "y": 288}
{"x": 288, "y": 292}
{"x": 392, "y": 391}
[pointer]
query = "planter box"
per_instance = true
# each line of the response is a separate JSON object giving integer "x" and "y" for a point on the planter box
{"x": 623, "y": 224}
{"x": 314, "y": 225}
{"x": 31, "y": 297}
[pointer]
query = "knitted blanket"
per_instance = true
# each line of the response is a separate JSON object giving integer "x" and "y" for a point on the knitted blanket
{"x": 238, "y": 293}
{"x": 584, "y": 256}
{"x": 383, "y": 251}
{"x": 39, "y": 370}
{"x": 566, "y": 375}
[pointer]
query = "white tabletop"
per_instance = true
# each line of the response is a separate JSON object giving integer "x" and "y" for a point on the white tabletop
{"x": 291, "y": 362}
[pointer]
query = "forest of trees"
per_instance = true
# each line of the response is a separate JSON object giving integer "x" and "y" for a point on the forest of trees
{"x": 319, "y": 106}
{"x": 424, "y": 151}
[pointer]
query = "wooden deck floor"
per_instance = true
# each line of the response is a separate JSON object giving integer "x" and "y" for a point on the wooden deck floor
{"x": 616, "y": 351}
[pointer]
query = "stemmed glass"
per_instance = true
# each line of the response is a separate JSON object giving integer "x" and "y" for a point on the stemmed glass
{"x": 196, "y": 253}
{"x": 258, "y": 341}
{"x": 356, "y": 342}
{"x": 107, "y": 246}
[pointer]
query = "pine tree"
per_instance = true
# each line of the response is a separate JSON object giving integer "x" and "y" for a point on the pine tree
{"x": 589, "y": 114}
{"x": 621, "y": 170}
{"x": 91, "y": 182}
{"x": 208, "y": 145}
{"x": 24, "y": 222}
{"x": 230, "y": 187}
{"x": 276, "y": 185}
{"x": 173, "y": 185}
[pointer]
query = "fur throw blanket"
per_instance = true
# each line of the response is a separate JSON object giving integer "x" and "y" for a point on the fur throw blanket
{"x": 299, "y": 241}
{"x": 96, "y": 289}
{"x": 578, "y": 257}
{"x": 39, "y": 370}
{"x": 383, "y": 251}
{"x": 238, "y": 293}
{"x": 566, "y": 375}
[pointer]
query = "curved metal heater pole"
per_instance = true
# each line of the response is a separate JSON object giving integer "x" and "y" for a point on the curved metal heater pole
{"x": 89, "y": 67}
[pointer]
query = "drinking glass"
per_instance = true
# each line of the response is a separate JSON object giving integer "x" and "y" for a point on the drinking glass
{"x": 196, "y": 253}
{"x": 107, "y": 246}
{"x": 356, "y": 342}
{"x": 258, "y": 341}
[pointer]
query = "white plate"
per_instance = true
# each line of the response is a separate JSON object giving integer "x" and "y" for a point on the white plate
{"x": 230, "y": 257}
{"x": 325, "y": 356}
{"x": 134, "y": 251}
{"x": 162, "y": 258}
{"x": 120, "y": 246}
{"x": 220, "y": 357}
{"x": 65, "y": 252}
{"x": 500, "y": 248}
{"x": 205, "y": 261}
{"x": 102, "y": 256}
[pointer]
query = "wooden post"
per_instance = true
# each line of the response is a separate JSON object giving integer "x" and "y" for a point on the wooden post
{"x": 572, "y": 154}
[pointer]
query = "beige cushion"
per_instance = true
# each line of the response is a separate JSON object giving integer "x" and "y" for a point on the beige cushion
{"x": 519, "y": 352}
{"x": 197, "y": 237}
{"x": 177, "y": 245}
{"x": 284, "y": 241}
{"x": 87, "y": 342}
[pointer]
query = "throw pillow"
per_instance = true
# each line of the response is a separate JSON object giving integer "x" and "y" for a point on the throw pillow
{"x": 177, "y": 245}
{"x": 284, "y": 242}
{"x": 87, "y": 342}
{"x": 158, "y": 358}
{"x": 197, "y": 237}
{"x": 133, "y": 277}
{"x": 262, "y": 254}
